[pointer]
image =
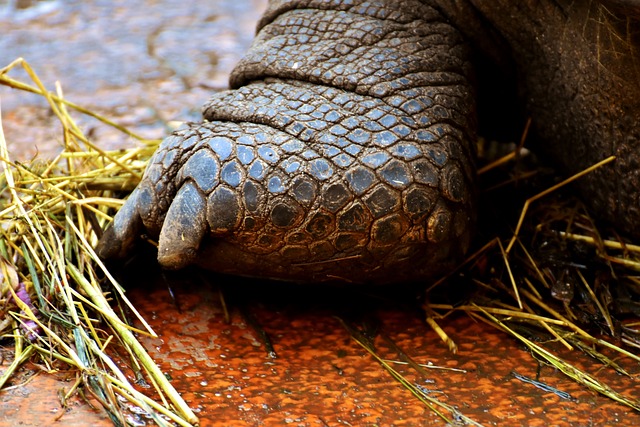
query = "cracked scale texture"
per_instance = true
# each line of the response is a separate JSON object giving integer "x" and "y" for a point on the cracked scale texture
{"x": 342, "y": 153}
{"x": 344, "y": 149}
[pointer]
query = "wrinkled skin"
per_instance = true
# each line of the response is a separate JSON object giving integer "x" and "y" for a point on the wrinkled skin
{"x": 344, "y": 150}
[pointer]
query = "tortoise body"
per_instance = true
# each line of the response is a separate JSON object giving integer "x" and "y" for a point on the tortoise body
{"x": 344, "y": 150}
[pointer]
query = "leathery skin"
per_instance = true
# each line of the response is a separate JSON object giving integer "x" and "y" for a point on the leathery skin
{"x": 344, "y": 150}
{"x": 354, "y": 164}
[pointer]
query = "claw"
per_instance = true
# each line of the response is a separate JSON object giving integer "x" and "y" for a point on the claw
{"x": 184, "y": 227}
{"x": 121, "y": 236}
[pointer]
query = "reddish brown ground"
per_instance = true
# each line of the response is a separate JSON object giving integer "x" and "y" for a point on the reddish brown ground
{"x": 321, "y": 376}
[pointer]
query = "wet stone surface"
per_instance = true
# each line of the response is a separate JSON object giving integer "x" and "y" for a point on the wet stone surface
{"x": 142, "y": 64}
{"x": 321, "y": 377}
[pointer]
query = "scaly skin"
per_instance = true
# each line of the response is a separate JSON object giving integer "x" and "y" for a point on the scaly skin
{"x": 344, "y": 151}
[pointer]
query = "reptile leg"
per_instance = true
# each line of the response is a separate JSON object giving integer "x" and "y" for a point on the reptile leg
{"x": 343, "y": 152}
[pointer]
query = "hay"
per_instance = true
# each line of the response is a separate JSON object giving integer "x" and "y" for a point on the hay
{"x": 57, "y": 298}
{"x": 557, "y": 277}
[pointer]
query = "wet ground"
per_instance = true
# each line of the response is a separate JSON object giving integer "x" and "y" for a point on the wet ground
{"x": 147, "y": 63}
{"x": 143, "y": 64}
{"x": 320, "y": 376}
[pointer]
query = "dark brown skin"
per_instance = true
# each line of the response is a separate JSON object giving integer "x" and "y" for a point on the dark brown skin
{"x": 578, "y": 64}
{"x": 344, "y": 151}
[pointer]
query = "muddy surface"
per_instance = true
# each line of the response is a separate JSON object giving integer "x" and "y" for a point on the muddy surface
{"x": 141, "y": 63}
